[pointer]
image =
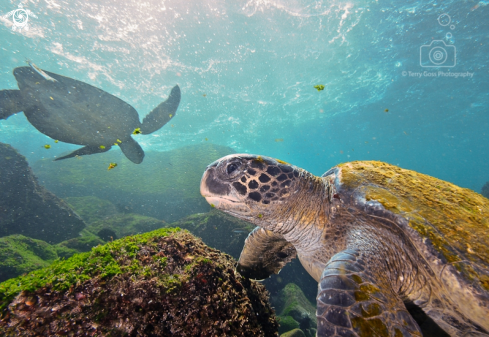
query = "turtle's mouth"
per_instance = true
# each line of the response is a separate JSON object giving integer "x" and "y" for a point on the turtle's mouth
{"x": 219, "y": 195}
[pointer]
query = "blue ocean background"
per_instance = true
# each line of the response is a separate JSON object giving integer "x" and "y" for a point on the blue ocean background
{"x": 247, "y": 70}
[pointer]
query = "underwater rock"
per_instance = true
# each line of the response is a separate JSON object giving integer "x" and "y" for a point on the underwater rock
{"x": 165, "y": 186}
{"x": 126, "y": 224}
{"x": 218, "y": 230}
{"x": 162, "y": 283}
{"x": 83, "y": 243}
{"x": 107, "y": 234}
{"x": 91, "y": 208}
{"x": 292, "y": 303}
{"x": 20, "y": 254}
{"x": 29, "y": 209}
{"x": 227, "y": 233}
{"x": 485, "y": 190}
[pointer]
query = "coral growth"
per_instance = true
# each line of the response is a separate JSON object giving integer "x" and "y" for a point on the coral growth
{"x": 162, "y": 283}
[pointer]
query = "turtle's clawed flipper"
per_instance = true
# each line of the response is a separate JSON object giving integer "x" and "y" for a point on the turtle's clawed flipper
{"x": 10, "y": 103}
{"x": 264, "y": 254}
{"x": 162, "y": 113}
{"x": 351, "y": 302}
{"x": 132, "y": 150}
{"x": 85, "y": 151}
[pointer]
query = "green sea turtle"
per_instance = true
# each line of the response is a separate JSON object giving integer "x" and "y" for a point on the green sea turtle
{"x": 380, "y": 240}
{"x": 78, "y": 113}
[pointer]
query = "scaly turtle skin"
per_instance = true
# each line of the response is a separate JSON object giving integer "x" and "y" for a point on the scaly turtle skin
{"x": 378, "y": 239}
{"x": 78, "y": 113}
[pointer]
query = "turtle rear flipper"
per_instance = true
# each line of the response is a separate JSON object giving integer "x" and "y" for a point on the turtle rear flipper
{"x": 350, "y": 301}
{"x": 264, "y": 253}
{"x": 85, "y": 151}
{"x": 132, "y": 150}
{"x": 162, "y": 113}
{"x": 10, "y": 103}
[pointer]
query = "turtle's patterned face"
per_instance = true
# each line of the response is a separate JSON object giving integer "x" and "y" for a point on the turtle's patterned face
{"x": 244, "y": 184}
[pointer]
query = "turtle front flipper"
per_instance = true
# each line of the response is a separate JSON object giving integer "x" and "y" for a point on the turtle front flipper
{"x": 10, "y": 103}
{"x": 351, "y": 302}
{"x": 264, "y": 253}
{"x": 160, "y": 115}
{"x": 85, "y": 151}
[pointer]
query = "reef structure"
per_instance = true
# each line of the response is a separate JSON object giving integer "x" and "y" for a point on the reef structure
{"x": 163, "y": 283}
{"x": 27, "y": 208}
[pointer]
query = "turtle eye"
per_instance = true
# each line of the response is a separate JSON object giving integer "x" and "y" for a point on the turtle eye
{"x": 231, "y": 168}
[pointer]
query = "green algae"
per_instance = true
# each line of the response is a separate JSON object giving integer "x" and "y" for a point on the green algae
{"x": 101, "y": 261}
{"x": 20, "y": 254}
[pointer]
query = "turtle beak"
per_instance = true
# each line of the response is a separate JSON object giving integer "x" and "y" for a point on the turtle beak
{"x": 220, "y": 194}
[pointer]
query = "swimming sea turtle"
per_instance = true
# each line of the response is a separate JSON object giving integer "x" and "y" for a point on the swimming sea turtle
{"x": 78, "y": 113}
{"x": 380, "y": 240}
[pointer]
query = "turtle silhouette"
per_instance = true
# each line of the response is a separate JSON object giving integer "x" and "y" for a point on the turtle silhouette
{"x": 75, "y": 112}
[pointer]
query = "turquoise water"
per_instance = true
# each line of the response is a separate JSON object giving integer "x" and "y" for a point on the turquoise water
{"x": 247, "y": 70}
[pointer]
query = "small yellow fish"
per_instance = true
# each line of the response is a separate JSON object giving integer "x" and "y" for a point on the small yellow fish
{"x": 172, "y": 125}
{"x": 386, "y": 110}
{"x": 319, "y": 87}
{"x": 102, "y": 147}
{"x": 119, "y": 141}
{"x": 116, "y": 144}
{"x": 47, "y": 146}
{"x": 111, "y": 166}
{"x": 170, "y": 115}
{"x": 204, "y": 95}
{"x": 279, "y": 139}
{"x": 51, "y": 98}
{"x": 56, "y": 141}
{"x": 206, "y": 139}
{"x": 136, "y": 131}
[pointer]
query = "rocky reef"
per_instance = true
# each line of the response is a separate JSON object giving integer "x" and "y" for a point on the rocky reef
{"x": 161, "y": 283}
{"x": 295, "y": 311}
{"x": 29, "y": 209}
{"x": 20, "y": 254}
{"x": 164, "y": 186}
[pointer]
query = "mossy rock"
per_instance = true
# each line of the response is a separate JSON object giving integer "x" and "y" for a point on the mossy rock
{"x": 91, "y": 208}
{"x": 286, "y": 324}
{"x": 161, "y": 283}
{"x": 291, "y": 302}
{"x": 20, "y": 254}
{"x": 294, "y": 333}
{"x": 126, "y": 224}
{"x": 169, "y": 192}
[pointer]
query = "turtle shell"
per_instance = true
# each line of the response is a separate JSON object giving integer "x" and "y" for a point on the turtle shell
{"x": 450, "y": 219}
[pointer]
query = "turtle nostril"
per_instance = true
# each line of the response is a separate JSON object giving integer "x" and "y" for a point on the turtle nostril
{"x": 231, "y": 168}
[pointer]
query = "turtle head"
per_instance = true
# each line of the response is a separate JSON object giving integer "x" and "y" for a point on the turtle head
{"x": 249, "y": 186}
